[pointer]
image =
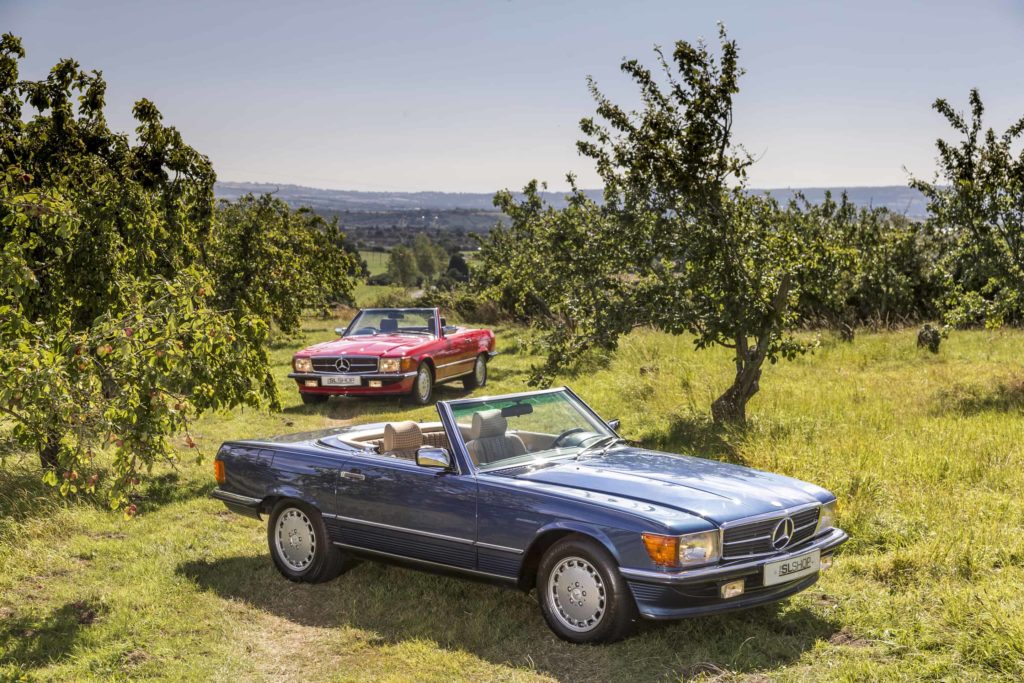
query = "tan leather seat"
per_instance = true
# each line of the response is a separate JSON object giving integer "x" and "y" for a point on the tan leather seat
{"x": 402, "y": 439}
{"x": 488, "y": 441}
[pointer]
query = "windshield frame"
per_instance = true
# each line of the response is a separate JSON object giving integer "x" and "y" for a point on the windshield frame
{"x": 348, "y": 333}
{"x": 446, "y": 411}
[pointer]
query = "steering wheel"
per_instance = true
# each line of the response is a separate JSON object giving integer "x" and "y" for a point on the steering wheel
{"x": 557, "y": 443}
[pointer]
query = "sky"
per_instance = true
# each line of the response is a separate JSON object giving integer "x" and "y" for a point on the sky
{"x": 475, "y": 96}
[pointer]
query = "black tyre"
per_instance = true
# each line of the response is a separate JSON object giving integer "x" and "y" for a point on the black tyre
{"x": 313, "y": 399}
{"x": 582, "y": 596}
{"x": 479, "y": 376}
{"x": 300, "y": 545}
{"x": 423, "y": 387}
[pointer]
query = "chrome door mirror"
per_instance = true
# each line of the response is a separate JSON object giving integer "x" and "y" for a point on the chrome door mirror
{"x": 450, "y": 329}
{"x": 339, "y": 331}
{"x": 615, "y": 424}
{"x": 430, "y": 456}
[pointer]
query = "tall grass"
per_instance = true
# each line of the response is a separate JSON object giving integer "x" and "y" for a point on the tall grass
{"x": 924, "y": 451}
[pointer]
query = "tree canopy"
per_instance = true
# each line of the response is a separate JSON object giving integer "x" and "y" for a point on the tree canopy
{"x": 678, "y": 243}
{"x": 976, "y": 207}
{"x": 108, "y": 330}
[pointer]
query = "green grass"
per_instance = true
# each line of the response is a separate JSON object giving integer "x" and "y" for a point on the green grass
{"x": 925, "y": 453}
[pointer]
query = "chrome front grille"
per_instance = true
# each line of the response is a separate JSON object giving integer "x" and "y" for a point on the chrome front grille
{"x": 357, "y": 364}
{"x": 755, "y": 538}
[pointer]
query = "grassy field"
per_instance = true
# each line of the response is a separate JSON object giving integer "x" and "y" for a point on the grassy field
{"x": 925, "y": 453}
{"x": 376, "y": 261}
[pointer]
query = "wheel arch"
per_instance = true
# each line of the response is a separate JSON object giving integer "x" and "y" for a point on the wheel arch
{"x": 552, "y": 534}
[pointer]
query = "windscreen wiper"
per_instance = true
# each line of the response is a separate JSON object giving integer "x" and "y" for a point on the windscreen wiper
{"x": 607, "y": 442}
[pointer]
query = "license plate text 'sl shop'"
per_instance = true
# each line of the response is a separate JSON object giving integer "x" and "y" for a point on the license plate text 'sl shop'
{"x": 340, "y": 381}
{"x": 792, "y": 568}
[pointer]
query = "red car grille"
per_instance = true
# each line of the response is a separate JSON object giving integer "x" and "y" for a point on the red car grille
{"x": 355, "y": 364}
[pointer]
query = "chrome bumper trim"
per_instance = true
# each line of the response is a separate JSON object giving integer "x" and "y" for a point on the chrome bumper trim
{"x": 366, "y": 375}
{"x": 236, "y": 498}
{"x": 732, "y": 569}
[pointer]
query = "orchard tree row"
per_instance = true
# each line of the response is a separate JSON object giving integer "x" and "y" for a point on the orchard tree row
{"x": 680, "y": 244}
{"x": 130, "y": 302}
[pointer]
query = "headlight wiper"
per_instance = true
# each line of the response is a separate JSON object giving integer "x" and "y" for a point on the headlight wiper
{"x": 607, "y": 443}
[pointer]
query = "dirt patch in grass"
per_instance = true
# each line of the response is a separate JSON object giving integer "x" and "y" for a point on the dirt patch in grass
{"x": 845, "y": 638}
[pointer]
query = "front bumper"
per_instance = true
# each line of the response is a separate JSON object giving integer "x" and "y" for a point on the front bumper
{"x": 391, "y": 383}
{"x": 694, "y": 592}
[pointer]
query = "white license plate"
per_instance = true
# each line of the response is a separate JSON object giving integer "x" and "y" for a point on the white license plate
{"x": 340, "y": 381}
{"x": 792, "y": 569}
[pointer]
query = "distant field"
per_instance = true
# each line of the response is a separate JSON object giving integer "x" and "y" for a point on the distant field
{"x": 925, "y": 453}
{"x": 376, "y": 261}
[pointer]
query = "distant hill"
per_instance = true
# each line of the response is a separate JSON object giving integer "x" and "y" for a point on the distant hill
{"x": 898, "y": 198}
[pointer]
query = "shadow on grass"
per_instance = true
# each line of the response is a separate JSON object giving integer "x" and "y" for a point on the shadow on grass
{"x": 504, "y": 626}
{"x": 1003, "y": 397}
{"x": 32, "y": 640}
{"x": 24, "y": 496}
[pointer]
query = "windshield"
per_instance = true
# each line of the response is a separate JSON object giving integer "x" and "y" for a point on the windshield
{"x": 502, "y": 432}
{"x": 392, "y": 321}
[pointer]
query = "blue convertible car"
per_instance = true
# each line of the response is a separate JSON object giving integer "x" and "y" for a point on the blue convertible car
{"x": 536, "y": 490}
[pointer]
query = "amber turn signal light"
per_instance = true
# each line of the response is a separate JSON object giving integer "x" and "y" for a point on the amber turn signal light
{"x": 218, "y": 471}
{"x": 664, "y": 550}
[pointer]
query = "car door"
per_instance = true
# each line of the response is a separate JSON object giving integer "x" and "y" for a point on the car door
{"x": 461, "y": 351}
{"x": 446, "y": 358}
{"x": 393, "y": 506}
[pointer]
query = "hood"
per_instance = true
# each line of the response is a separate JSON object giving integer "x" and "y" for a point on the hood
{"x": 716, "y": 491}
{"x": 376, "y": 345}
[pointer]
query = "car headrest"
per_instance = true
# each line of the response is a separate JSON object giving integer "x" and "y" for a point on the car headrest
{"x": 388, "y": 325}
{"x": 488, "y": 424}
{"x": 402, "y": 436}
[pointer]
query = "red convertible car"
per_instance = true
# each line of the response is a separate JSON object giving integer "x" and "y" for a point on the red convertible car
{"x": 393, "y": 351}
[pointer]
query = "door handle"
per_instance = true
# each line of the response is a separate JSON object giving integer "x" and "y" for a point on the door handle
{"x": 354, "y": 476}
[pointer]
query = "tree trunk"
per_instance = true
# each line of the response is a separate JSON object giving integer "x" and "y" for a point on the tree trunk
{"x": 732, "y": 405}
{"x": 49, "y": 451}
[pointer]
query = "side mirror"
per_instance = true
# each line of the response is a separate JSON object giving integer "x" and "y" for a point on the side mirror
{"x": 339, "y": 331}
{"x": 450, "y": 329}
{"x": 437, "y": 458}
{"x": 615, "y": 424}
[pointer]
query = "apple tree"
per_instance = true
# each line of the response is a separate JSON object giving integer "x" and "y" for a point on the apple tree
{"x": 110, "y": 344}
{"x": 976, "y": 211}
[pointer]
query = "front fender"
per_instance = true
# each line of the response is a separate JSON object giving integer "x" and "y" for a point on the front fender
{"x": 574, "y": 526}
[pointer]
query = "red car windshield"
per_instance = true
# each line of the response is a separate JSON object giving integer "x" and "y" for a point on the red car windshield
{"x": 376, "y": 321}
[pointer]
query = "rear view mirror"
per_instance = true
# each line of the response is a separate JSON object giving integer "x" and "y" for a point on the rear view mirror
{"x": 517, "y": 409}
